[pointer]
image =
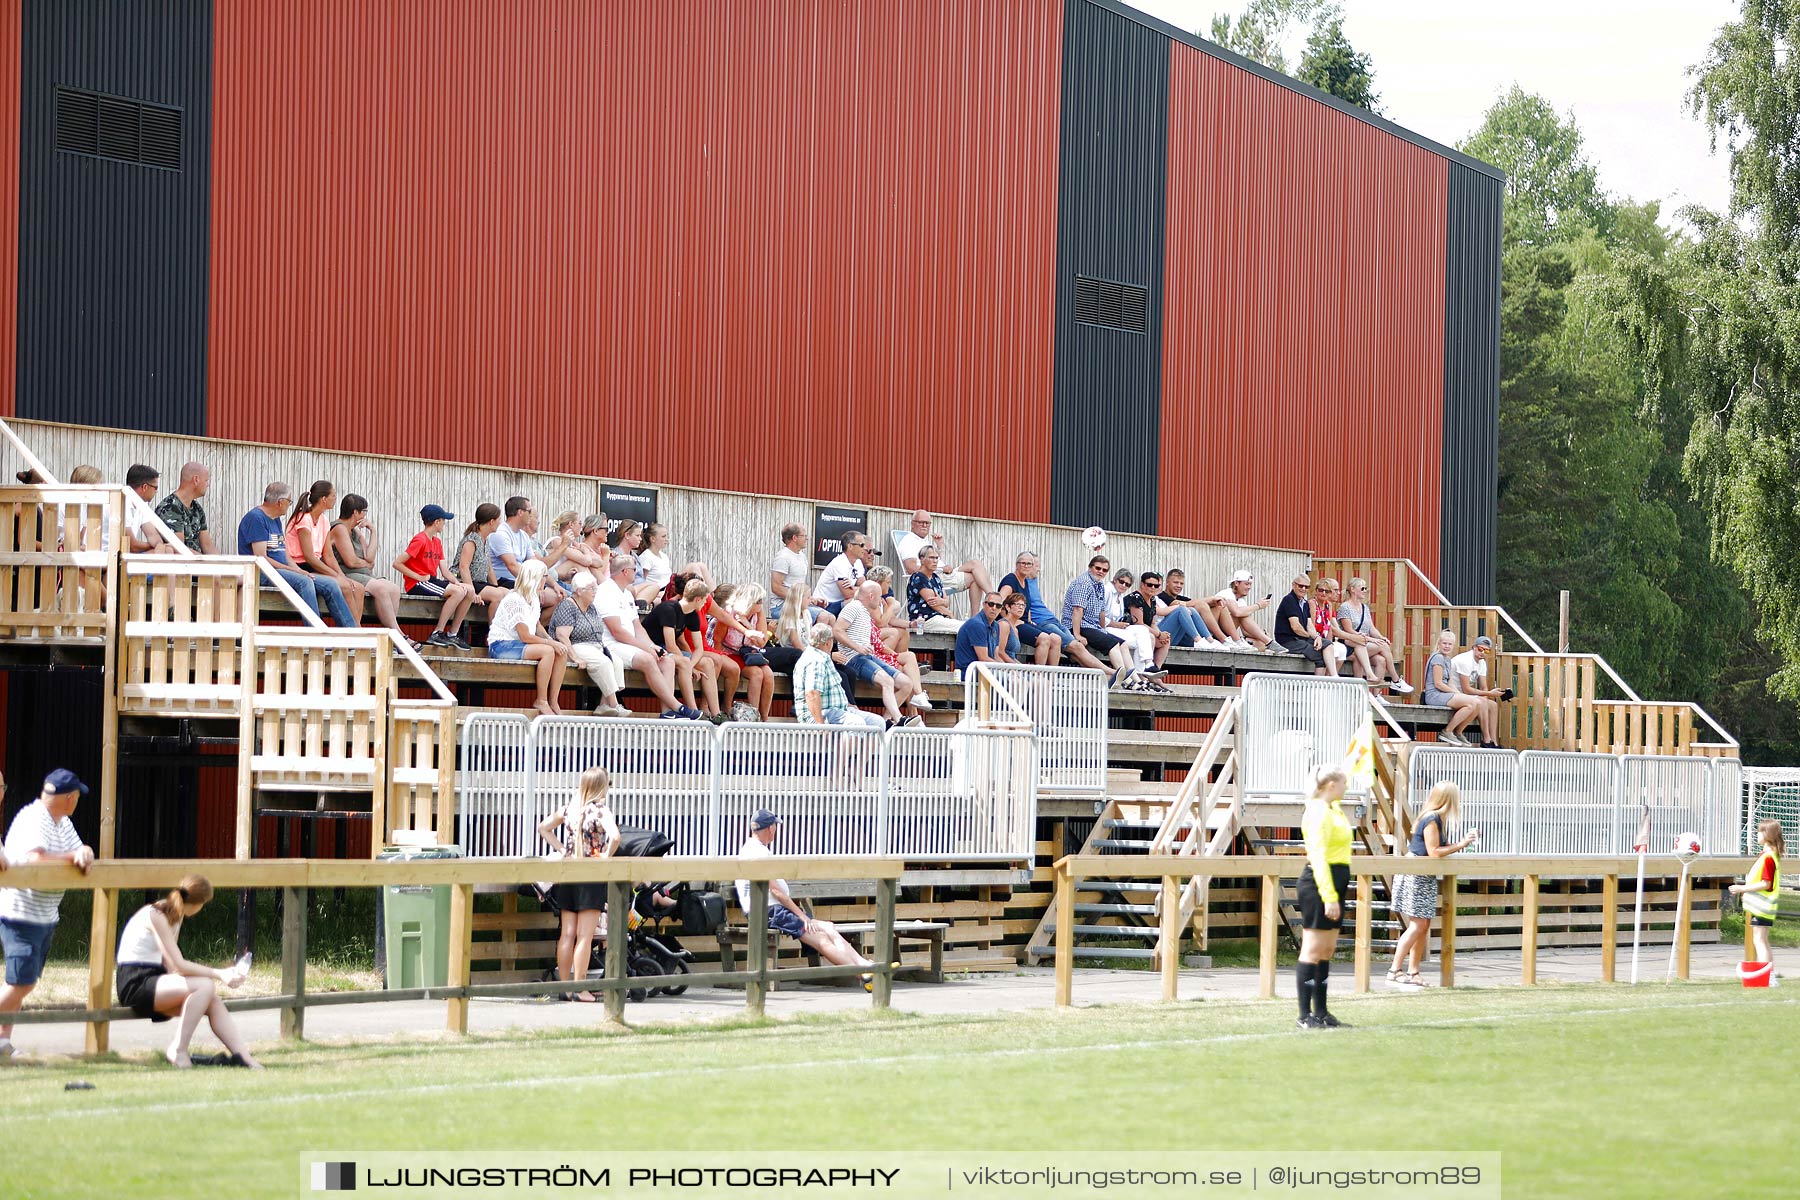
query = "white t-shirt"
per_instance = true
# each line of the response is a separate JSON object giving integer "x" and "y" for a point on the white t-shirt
{"x": 909, "y": 546}
{"x": 838, "y": 568}
{"x": 791, "y": 566}
{"x": 516, "y": 610}
{"x": 1231, "y": 594}
{"x": 614, "y": 601}
{"x": 137, "y": 515}
{"x": 33, "y": 830}
{"x": 1466, "y": 665}
{"x": 655, "y": 568}
{"x": 138, "y": 943}
{"x": 755, "y": 849}
{"x": 862, "y": 624}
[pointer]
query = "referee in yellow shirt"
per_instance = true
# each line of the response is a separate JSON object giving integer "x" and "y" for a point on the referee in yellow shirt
{"x": 1322, "y": 887}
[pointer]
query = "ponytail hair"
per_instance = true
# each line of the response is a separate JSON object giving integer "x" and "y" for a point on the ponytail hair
{"x": 193, "y": 889}
{"x": 1323, "y": 776}
{"x": 320, "y": 489}
{"x": 483, "y": 514}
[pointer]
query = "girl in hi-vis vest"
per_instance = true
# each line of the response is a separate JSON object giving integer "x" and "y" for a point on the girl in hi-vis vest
{"x": 1761, "y": 888}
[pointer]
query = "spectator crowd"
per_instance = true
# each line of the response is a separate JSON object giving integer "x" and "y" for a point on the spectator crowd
{"x": 608, "y": 597}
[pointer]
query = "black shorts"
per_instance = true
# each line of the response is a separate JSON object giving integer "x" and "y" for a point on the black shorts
{"x": 1763, "y": 921}
{"x": 1312, "y": 909}
{"x": 136, "y": 984}
{"x": 433, "y": 588}
{"x": 1099, "y": 641}
{"x": 579, "y": 897}
{"x": 1028, "y": 633}
{"x": 1305, "y": 650}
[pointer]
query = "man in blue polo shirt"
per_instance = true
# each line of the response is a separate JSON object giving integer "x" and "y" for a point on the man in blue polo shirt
{"x": 260, "y": 533}
{"x": 979, "y": 638}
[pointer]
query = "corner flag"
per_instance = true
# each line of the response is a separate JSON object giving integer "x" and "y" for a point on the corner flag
{"x": 1642, "y": 843}
{"x": 1359, "y": 759}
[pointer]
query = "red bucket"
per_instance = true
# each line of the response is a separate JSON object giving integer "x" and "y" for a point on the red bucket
{"x": 1756, "y": 974}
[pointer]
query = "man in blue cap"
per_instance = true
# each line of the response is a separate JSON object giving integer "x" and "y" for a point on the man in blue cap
{"x": 41, "y": 833}
{"x": 784, "y": 912}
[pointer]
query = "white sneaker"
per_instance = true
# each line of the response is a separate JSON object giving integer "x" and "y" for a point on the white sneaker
{"x": 1211, "y": 644}
{"x": 1452, "y": 739}
{"x": 1401, "y": 686}
{"x": 1240, "y": 644}
{"x": 6, "y": 1048}
{"x": 921, "y": 701}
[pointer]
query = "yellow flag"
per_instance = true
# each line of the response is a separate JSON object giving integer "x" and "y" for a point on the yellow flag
{"x": 1359, "y": 759}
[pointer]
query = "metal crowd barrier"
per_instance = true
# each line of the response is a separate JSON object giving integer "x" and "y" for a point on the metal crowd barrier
{"x": 1549, "y": 802}
{"x": 1293, "y": 723}
{"x": 1067, "y": 708}
{"x": 841, "y": 790}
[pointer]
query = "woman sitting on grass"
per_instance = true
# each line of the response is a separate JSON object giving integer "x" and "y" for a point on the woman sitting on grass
{"x": 584, "y": 829}
{"x": 155, "y": 981}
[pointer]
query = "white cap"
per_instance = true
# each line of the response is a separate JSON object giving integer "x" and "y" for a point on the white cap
{"x": 583, "y": 579}
{"x": 1242, "y": 577}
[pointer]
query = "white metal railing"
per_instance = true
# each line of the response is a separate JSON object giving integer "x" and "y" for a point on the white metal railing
{"x": 1293, "y": 723}
{"x": 959, "y": 793}
{"x": 1065, "y": 706}
{"x": 1488, "y": 780}
{"x": 495, "y": 813}
{"x": 662, "y": 772}
{"x": 1570, "y": 804}
{"x": 1550, "y": 802}
{"x": 824, "y": 781}
{"x": 840, "y": 790}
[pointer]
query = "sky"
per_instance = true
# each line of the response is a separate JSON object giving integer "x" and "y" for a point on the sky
{"x": 1619, "y": 65}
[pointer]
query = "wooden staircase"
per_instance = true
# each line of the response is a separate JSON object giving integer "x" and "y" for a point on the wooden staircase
{"x": 1207, "y": 815}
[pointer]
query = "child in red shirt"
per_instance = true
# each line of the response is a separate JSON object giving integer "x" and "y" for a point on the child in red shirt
{"x": 422, "y": 568}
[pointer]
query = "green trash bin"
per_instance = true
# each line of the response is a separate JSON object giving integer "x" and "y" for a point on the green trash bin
{"x": 416, "y": 923}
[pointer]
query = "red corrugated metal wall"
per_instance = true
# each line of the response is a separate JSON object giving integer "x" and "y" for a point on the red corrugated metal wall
{"x": 748, "y": 246}
{"x": 10, "y": 35}
{"x": 1303, "y": 327}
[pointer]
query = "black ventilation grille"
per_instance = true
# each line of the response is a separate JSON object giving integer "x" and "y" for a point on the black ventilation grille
{"x": 1114, "y": 305}
{"x": 118, "y": 128}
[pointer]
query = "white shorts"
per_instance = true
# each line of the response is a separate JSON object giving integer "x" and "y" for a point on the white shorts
{"x": 1141, "y": 641}
{"x": 628, "y": 658}
{"x": 957, "y": 581}
{"x": 940, "y": 624}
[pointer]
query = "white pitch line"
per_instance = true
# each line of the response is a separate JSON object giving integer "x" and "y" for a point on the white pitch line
{"x": 526, "y": 1083}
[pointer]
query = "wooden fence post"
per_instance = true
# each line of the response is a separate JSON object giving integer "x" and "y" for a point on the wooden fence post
{"x": 293, "y": 961}
{"x": 1065, "y": 937}
{"x": 618, "y": 913}
{"x": 1268, "y": 914}
{"x": 1528, "y": 932}
{"x": 885, "y": 949}
{"x": 103, "y": 945}
{"x": 1169, "y": 943}
{"x": 1609, "y": 928}
{"x": 462, "y": 920}
{"x": 756, "y": 952}
{"x": 1447, "y": 934}
{"x": 1365, "y": 901}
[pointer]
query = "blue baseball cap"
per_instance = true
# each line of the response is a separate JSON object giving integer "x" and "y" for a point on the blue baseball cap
{"x": 64, "y": 780}
{"x": 762, "y": 819}
{"x": 435, "y": 512}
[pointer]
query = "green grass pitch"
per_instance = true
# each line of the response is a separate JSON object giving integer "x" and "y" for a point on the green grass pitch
{"x": 1587, "y": 1091}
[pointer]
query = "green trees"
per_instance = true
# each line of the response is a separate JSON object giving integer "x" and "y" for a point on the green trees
{"x": 1333, "y": 65}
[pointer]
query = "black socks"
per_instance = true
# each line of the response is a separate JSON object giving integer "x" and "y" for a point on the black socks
{"x": 1321, "y": 976}
{"x": 1304, "y": 974}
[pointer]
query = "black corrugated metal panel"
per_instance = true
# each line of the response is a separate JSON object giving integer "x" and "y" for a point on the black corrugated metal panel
{"x": 113, "y": 255}
{"x": 1468, "y": 532}
{"x": 1112, "y": 202}
{"x": 1294, "y": 85}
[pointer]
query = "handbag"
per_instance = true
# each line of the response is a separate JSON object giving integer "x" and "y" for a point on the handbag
{"x": 701, "y": 913}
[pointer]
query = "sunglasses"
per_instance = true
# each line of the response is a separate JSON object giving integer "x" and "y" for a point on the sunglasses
{"x": 990, "y": 604}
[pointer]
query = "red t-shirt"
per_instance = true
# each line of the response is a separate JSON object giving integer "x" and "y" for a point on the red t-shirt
{"x": 1767, "y": 875}
{"x": 424, "y": 554}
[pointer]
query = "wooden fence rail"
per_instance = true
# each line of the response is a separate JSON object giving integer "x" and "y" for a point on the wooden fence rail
{"x": 1175, "y": 870}
{"x": 107, "y": 879}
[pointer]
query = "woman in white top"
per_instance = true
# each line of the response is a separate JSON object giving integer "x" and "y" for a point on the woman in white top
{"x": 155, "y": 981}
{"x": 1373, "y": 652}
{"x": 514, "y": 636}
{"x": 657, "y": 567}
{"x": 1141, "y": 638}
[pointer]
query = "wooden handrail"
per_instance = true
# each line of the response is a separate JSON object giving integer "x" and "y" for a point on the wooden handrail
{"x": 1070, "y": 870}
{"x": 106, "y": 879}
{"x": 1198, "y": 776}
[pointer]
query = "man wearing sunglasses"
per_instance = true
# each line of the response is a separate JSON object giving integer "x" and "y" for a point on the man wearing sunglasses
{"x": 979, "y": 638}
